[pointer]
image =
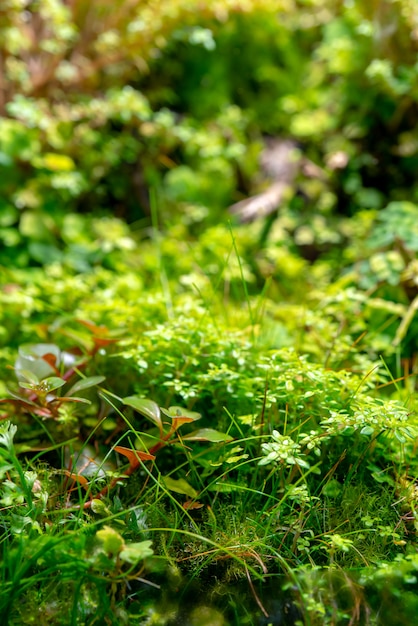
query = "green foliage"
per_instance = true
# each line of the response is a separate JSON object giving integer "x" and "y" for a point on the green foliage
{"x": 293, "y": 342}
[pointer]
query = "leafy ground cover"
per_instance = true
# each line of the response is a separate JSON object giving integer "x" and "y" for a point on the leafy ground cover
{"x": 165, "y": 419}
{"x": 205, "y": 421}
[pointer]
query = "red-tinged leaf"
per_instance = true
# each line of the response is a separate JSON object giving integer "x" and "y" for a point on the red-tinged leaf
{"x": 93, "y": 328}
{"x": 43, "y": 412}
{"x": 102, "y": 342}
{"x": 147, "y": 408}
{"x": 190, "y": 505}
{"x": 134, "y": 456}
{"x": 208, "y": 434}
{"x": 78, "y": 478}
{"x": 24, "y": 404}
{"x": 179, "y": 421}
{"x": 51, "y": 359}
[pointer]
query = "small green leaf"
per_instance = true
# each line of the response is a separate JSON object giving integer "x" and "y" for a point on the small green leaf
{"x": 147, "y": 408}
{"x": 99, "y": 507}
{"x": 180, "y": 486}
{"x": 7, "y": 433}
{"x": 112, "y": 541}
{"x": 51, "y": 383}
{"x": 399, "y": 435}
{"x": 134, "y": 552}
{"x": 208, "y": 434}
{"x": 85, "y": 383}
{"x": 232, "y": 460}
{"x": 178, "y": 411}
{"x": 367, "y": 430}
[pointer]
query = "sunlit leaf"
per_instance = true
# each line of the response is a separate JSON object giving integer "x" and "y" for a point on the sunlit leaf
{"x": 112, "y": 541}
{"x": 147, "y": 408}
{"x": 180, "y": 486}
{"x": 134, "y": 456}
{"x": 134, "y": 552}
{"x": 208, "y": 434}
{"x": 232, "y": 460}
{"x": 7, "y": 433}
{"x": 52, "y": 383}
{"x": 179, "y": 421}
{"x": 99, "y": 507}
{"x": 399, "y": 435}
{"x": 178, "y": 411}
{"x": 367, "y": 430}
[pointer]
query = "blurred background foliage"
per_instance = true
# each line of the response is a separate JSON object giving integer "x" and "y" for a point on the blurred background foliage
{"x": 113, "y": 112}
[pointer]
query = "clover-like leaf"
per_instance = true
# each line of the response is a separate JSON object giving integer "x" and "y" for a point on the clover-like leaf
{"x": 112, "y": 541}
{"x": 134, "y": 552}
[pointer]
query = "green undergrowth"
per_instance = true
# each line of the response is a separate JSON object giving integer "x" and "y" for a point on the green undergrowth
{"x": 204, "y": 411}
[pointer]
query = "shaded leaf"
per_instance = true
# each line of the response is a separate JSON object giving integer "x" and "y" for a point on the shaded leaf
{"x": 62, "y": 399}
{"x": 190, "y": 505}
{"x": 85, "y": 383}
{"x": 21, "y": 402}
{"x": 78, "y": 478}
{"x": 224, "y": 487}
